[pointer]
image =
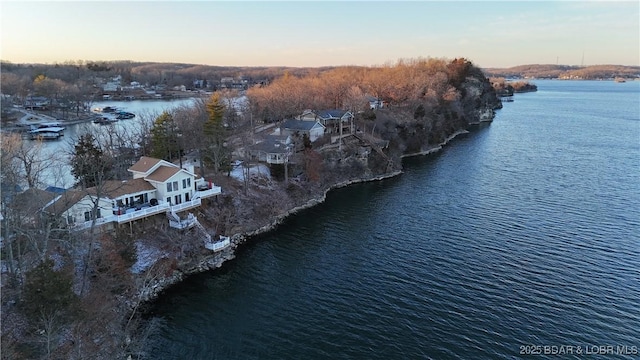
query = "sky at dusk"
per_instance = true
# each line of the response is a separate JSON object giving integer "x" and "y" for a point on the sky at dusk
{"x": 328, "y": 33}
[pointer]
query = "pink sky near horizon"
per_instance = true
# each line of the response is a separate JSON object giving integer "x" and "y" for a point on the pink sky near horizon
{"x": 491, "y": 34}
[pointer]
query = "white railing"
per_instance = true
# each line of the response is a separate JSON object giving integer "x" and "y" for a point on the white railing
{"x": 215, "y": 190}
{"x": 134, "y": 215}
{"x": 186, "y": 205}
{"x": 153, "y": 210}
{"x": 218, "y": 245}
{"x": 144, "y": 212}
{"x": 87, "y": 224}
{"x": 183, "y": 224}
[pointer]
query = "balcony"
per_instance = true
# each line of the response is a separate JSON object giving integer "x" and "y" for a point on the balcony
{"x": 142, "y": 213}
{"x": 207, "y": 192}
{"x": 130, "y": 215}
{"x": 186, "y": 205}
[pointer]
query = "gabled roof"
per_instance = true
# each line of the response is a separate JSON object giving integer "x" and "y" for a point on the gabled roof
{"x": 144, "y": 164}
{"x": 272, "y": 144}
{"x": 65, "y": 201}
{"x": 116, "y": 188}
{"x": 300, "y": 125}
{"x": 31, "y": 201}
{"x": 163, "y": 173}
{"x": 331, "y": 114}
{"x": 156, "y": 170}
{"x": 111, "y": 189}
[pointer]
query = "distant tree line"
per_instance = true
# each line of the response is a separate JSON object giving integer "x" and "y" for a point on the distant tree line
{"x": 593, "y": 72}
{"x": 430, "y": 82}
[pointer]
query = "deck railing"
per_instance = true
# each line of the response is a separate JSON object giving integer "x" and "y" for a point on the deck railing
{"x": 152, "y": 210}
{"x": 215, "y": 190}
{"x": 134, "y": 215}
{"x": 218, "y": 245}
{"x": 144, "y": 212}
{"x": 186, "y": 205}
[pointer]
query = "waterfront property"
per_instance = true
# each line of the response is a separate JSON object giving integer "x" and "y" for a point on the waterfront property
{"x": 332, "y": 120}
{"x": 272, "y": 149}
{"x": 46, "y": 133}
{"x": 313, "y": 129}
{"x": 158, "y": 186}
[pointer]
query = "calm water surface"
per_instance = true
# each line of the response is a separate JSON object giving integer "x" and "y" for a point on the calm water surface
{"x": 524, "y": 232}
{"x": 59, "y": 175}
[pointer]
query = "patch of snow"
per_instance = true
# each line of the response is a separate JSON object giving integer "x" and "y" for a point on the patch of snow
{"x": 147, "y": 255}
{"x": 58, "y": 261}
{"x": 259, "y": 170}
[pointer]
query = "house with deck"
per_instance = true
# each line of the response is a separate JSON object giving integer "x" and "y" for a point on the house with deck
{"x": 313, "y": 129}
{"x": 272, "y": 149}
{"x": 158, "y": 186}
{"x": 330, "y": 119}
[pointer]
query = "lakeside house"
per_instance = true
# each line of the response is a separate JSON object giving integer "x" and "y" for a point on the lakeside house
{"x": 272, "y": 149}
{"x": 332, "y": 120}
{"x": 313, "y": 129}
{"x": 158, "y": 186}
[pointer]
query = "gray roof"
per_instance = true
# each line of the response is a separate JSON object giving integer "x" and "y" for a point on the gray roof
{"x": 272, "y": 144}
{"x": 331, "y": 114}
{"x": 300, "y": 125}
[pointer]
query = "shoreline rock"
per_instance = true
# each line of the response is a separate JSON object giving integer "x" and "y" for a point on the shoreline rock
{"x": 216, "y": 261}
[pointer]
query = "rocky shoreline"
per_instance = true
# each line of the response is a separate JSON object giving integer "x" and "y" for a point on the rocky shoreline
{"x": 216, "y": 260}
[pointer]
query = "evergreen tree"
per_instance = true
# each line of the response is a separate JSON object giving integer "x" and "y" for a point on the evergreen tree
{"x": 216, "y": 153}
{"x": 49, "y": 302}
{"x": 89, "y": 164}
{"x": 47, "y": 291}
{"x": 165, "y": 138}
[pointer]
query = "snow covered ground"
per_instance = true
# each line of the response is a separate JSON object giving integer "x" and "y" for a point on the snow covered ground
{"x": 147, "y": 256}
{"x": 258, "y": 170}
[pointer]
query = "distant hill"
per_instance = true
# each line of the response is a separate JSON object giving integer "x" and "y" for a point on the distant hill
{"x": 546, "y": 71}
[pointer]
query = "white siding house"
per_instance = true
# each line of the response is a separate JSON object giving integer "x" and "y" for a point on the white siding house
{"x": 313, "y": 129}
{"x": 157, "y": 186}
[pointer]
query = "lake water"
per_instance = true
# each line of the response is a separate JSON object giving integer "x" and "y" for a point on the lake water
{"x": 60, "y": 174}
{"x": 523, "y": 234}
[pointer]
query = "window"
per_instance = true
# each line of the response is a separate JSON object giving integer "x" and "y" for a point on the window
{"x": 186, "y": 196}
{"x": 184, "y": 183}
{"x": 169, "y": 189}
{"x": 169, "y": 200}
{"x": 178, "y": 199}
{"x": 175, "y": 185}
{"x": 70, "y": 219}
{"x": 189, "y": 182}
{"x": 87, "y": 215}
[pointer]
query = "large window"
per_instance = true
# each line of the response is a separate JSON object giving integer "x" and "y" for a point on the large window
{"x": 175, "y": 185}
{"x": 186, "y": 183}
{"x": 169, "y": 187}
